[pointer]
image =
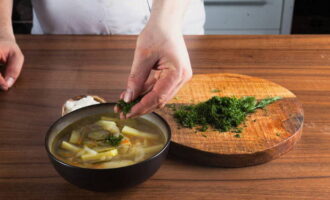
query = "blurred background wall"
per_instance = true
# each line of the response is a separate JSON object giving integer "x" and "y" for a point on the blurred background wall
{"x": 236, "y": 16}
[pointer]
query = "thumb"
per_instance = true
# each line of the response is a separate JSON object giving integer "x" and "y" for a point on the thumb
{"x": 143, "y": 63}
{"x": 3, "y": 84}
{"x": 13, "y": 68}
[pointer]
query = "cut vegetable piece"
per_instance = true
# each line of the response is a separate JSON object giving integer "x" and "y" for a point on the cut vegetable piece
{"x": 109, "y": 126}
{"x": 80, "y": 153}
{"x": 70, "y": 147}
{"x": 125, "y": 141}
{"x": 98, "y": 135}
{"x": 90, "y": 143}
{"x": 102, "y": 149}
{"x": 124, "y": 146}
{"x": 136, "y": 133}
{"x": 89, "y": 150}
{"x": 139, "y": 154}
{"x": 131, "y": 153}
{"x": 104, "y": 156}
{"x": 65, "y": 153}
{"x": 115, "y": 164}
{"x": 153, "y": 149}
{"x": 75, "y": 137}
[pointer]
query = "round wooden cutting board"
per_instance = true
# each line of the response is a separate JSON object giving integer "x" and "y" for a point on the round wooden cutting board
{"x": 268, "y": 134}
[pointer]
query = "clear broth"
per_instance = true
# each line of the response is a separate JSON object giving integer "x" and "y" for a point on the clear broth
{"x": 132, "y": 149}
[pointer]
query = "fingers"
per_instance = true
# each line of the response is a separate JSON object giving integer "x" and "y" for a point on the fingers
{"x": 3, "y": 83}
{"x": 142, "y": 65}
{"x": 164, "y": 89}
{"x": 116, "y": 109}
{"x": 14, "y": 67}
{"x": 148, "y": 85}
{"x": 13, "y": 58}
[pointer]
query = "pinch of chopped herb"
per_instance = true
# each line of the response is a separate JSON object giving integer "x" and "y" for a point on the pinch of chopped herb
{"x": 278, "y": 134}
{"x": 126, "y": 107}
{"x": 204, "y": 135}
{"x": 176, "y": 98}
{"x": 237, "y": 135}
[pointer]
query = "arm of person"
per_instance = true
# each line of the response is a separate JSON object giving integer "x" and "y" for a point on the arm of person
{"x": 10, "y": 54}
{"x": 161, "y": 62}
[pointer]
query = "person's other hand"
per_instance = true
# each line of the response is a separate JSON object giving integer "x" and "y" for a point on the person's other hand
{"x": 12, "y": 58}
{"x": 160, "y": 67}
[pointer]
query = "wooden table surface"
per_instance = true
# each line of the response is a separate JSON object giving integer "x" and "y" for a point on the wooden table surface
{"x": 59, "y": 67}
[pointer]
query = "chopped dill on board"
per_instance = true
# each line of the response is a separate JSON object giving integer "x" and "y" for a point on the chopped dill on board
{"x": 237, "y": 136}
{"x": 237, "y": 130}
{"x": 203, "y": 128}
{"x": 263, "y": 103}
{"x": 221, "y": 113}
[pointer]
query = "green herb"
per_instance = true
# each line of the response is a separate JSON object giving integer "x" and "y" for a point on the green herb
{"x": 203, "y": 128}
{"x": 176, "y": 98}
{"x": 237, "y": 135}
{"x": 237, "y": 130}
{"x": 221, "y": 113}
{"x": 204, "y": 135}
{"x": 113, "y": 140}
{"x": 215, "y": 90}
{"x": 278, "y": 134}
{"x": 254, "y": 120}
{"x": 126, "y": 107}
{"x": 263, "y": 103}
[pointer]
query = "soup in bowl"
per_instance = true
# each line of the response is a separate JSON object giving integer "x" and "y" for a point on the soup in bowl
{"x": 94, "y": 149}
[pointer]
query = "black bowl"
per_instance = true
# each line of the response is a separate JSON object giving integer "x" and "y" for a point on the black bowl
{"x": 105, "y": 179}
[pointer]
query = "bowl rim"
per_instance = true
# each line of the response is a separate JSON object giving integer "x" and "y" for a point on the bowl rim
{"x": 167, "y": 126}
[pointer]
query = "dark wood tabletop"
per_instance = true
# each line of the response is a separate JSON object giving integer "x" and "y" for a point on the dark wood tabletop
{"x": 59, "y": 67}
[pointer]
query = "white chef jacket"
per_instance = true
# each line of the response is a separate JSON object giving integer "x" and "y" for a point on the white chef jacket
{"x": 105, "y": 16}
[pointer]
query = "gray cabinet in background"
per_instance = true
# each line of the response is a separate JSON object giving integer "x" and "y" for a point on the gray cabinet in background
{"x": 248, "y": 16}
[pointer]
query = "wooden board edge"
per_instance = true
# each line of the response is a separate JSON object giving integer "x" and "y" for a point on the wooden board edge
{"x": 234, "y": 160}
